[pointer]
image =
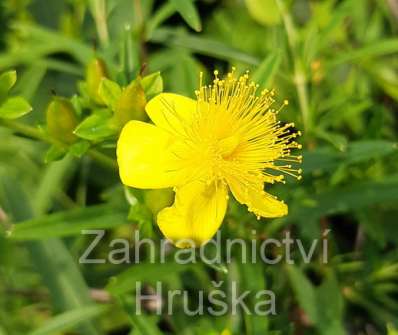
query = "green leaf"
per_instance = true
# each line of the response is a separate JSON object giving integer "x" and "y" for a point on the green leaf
{"x": 79, "y": 148}
{"x": 378, "y": 311}
{"x": 187, "y": 69}
{"x": 252, "y": 280}
{"x": 7, "y": 81}
{"x": 152, "y": 84}
{"x": 204, "y": 46}
{"x": 14, "y": 108}
{"x": 265, "y": 12}
{"x": 336, "y": 139}
{"x": 328, "y": 318}
{"x": 189, "y": 13}
{"x": 328, "y": 158}
{"x": 55, "y": 153}
{"x": 97, "y": 126}
{"x": 376, "y": 49}
{"x": 304, "y": 292}
{"x": 69, "y": 223}
{"x": 55, "y": 177}
{"x": 45, "y": 42}
{"x": 331, "y": 314}
{"x": 347, "y": 198}
{"x": 266, "y": 70}
{"x": 60, "y": 274}
{"x": 110, "y": 92}
{"x": 69, "y": 320}
{"x": 385, "y": 75}
{"x": 145, "y": 272}
{"x": 142, "y": 324}
{"x": 158, "y": 17}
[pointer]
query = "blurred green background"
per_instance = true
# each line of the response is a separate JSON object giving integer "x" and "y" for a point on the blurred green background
{"x": 336, "y": 62}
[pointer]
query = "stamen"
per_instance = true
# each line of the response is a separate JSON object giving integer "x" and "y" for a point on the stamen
{"x": 231, "y": 108}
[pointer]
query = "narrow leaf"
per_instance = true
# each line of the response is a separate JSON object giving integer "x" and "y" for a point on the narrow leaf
{"x": 149, "y": 272}
{"x": 69, "y": 223}
{"x": 376, "y": 49}
{"x": 204, "y": 46}
{"x": 188, "y": 11}
{"x": 266, "y": 70}
{"x": 343, "y": 199}
{"x": 304, "y": 292}
{"x": 328, "y": 158}
{"x": 69, "y": 320}
{"x": 60, "y": 274}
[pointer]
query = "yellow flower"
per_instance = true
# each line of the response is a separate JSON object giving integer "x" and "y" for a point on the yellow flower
{"x": 228, "y": 139}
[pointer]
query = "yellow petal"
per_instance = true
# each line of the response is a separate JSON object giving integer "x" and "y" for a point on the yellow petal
{"x": 257, "y": 200}
{"x": 196, "y": 214}
{"x": 171, "y": 111}
{"x": 145, "y": 157}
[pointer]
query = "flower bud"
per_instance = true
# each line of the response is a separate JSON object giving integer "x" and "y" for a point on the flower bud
{"x": 131, "y": 104}
{"x": 61, "y": 120}
{"x": 96, "y": 70}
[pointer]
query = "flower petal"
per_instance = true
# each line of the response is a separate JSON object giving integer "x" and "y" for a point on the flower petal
{"x": 171, "y": 111}
{"x": 145, "y": 157}
{"x": 257, "y": 200}
{"x": 196, "y": 214}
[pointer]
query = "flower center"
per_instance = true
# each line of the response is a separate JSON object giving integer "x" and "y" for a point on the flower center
{"x": 235, "y": 134}
{"x": 228, "y": 145}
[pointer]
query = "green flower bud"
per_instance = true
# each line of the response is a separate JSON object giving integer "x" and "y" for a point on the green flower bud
{"x": 131, "y": 104}
{"x": 61, "y": 120}
{"x": 158, "y": 199}
{"x": 96, "y": 70}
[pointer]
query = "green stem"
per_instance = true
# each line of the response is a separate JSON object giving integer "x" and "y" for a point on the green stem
{"x": 139, "y": 18}
{"x": 300, "y": 79}
{"x": 99, "y": 13}
{"x": 35, "y": 133}
{"x": 25, "y": 129}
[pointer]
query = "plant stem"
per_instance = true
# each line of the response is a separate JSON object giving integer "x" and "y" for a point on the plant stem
{"x": 24, "y": 129}
{"x": 99, "y": 12}
{"x": 140, "y": 27}
{"x": 300, "y": 79}
{"x": 35, "y": 133}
